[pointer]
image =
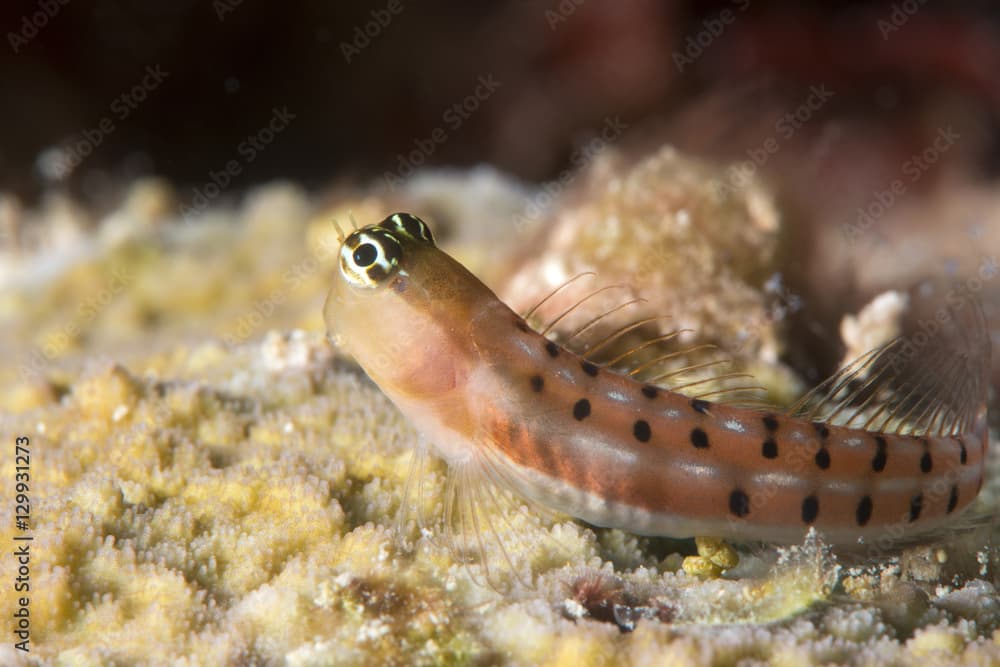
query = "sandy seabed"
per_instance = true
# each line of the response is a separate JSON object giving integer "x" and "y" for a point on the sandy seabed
{"x": 212, "y": 483}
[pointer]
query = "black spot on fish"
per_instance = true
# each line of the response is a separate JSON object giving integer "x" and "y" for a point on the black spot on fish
{"x": 821, "y": 430}
{"x": 589, "y": 368}
{"x": 649, "y": 391}
{"x": 699, "y": 438}
{"x": 953, "y": 499}
{"x": 770, "y": 423}
{"x": 963, "y": 455}
{"x": 916, "y": 504}
{"x": 881, "y": 454}
{"x": 769, "y": 450}
{"x": 581, "y": 409}
{"x": 810, "y": 509}
{"x": 700, "y": 405}
{"x": 522, "y": 325}
{"x": 537, "y": 382}
{"x": 823, "y": 458}
{"x": 926, "y": 463}
{"x": 864, "y": 511}
{"x": 739, "y": 503}
{"x": 552, "y": 349}
{"x": 641, "y": 430}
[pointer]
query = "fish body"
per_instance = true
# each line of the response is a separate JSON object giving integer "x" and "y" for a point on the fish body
{"x": 495, "y": 396}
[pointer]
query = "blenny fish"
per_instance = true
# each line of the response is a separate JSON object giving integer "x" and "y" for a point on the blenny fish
{"x": 894, "y": 443}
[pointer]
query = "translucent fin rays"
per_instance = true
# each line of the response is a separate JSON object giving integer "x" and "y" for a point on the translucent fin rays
{"x": 929, "y": 382}
{"x": 484, "y": 526}
{"x": 700, "y": 371}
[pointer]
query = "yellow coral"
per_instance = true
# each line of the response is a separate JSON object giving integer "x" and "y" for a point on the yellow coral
{"x": 223, "y": 495}
{"x": 714, "y": 557}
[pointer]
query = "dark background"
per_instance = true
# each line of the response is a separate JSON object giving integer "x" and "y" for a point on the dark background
{"x": 560, "y": 80}
{"x": 901, "y": 71}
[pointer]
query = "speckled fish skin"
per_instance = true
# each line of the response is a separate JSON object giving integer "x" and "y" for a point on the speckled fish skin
{"x": 489, "y": 391}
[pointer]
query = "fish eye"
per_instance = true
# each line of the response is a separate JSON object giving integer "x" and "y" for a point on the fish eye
{"x": 365, "y": 255}
{"x": 369, "y": 256}
{"x": 406, "y": 224}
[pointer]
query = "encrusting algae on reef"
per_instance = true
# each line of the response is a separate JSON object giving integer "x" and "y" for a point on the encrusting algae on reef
{"x": 215, "y": 490}
{"x": 672, "y": 232}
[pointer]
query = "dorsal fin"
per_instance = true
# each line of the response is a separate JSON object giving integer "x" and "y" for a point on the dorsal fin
{"x": 642, "y": 349}
{"x": 930, "y": 381}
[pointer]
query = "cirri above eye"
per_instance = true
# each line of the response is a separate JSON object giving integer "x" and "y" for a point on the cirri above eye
{"x": 369, "y": 256}
{"x": 408, "y": 225}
